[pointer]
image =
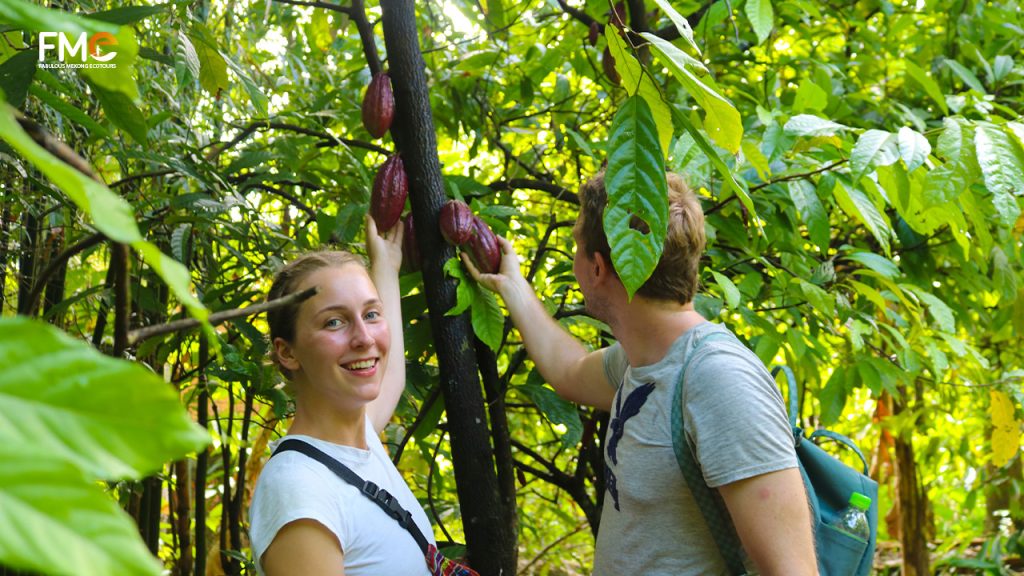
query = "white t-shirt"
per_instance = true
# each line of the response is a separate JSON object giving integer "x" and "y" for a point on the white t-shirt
{"x": 294, "y": 486}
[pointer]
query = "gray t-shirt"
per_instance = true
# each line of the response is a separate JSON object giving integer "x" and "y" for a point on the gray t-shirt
{"x": 734, "y": 415}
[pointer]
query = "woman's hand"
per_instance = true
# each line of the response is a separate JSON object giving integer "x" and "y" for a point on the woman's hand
{"x": 385, "y": 250}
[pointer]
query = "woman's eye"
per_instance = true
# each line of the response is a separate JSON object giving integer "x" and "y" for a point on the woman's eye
{"x": 373, "y": 315}
{"x": 333, "y": 323}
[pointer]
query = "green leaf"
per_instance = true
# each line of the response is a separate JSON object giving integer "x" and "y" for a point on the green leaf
{"x": 186, "y": 62}
{"x": 819, "y": 299}
{"x": 885, "y": 267}
{"x": 930, "y": 86}
{"x": 809, "y": 125}
{"x": 857, "y": 205}
{"x": 124, "y": 114}
{"x": 807, "y": 203}
{"x": 213, "y": 71}
{"x": 1002, "y": 67}
{"x": 722, "y": 121}
{"x": 463, "y": 292}
{"x": 16, "y": 74}
{"x": 941, "y": 312}
{"x": 120, "y": 78}
{"x": 496, "y": 13}
{"x": 635, "y": 180}
{"x": 111, "y": 214}
{"x": 833, "y": 397}
{"x": 680, "y": 22}
{"x": 556, "y": 409}
{"x": 729, "y": 290}
{"x": 1003, "y": 168}
{"x": 68, "y": 111}
{"x": 762, "y": 17}
{"x": 113, "y": 419}
{"x": 966, "y": 75}
{"x": 914, "y": 148}
{"x": 128, "y": 14}
{"x": 757, "y": 159}
{"x": 810, "y": 96}
{"x": 873, "y": 148}
{"x": 27, "y": 16}
{"x": 56, "y": 520}
{"x": 485, "y": 315}
{"x": 636, "y": 82}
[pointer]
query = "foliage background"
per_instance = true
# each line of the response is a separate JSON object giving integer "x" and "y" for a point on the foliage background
{"x": 881, "y": 145}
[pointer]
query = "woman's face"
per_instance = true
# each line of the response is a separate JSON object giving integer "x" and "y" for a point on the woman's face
{"x": 341, "y": 338}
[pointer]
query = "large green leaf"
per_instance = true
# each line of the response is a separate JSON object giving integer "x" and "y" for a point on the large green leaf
{"x": 939, "y": 310}
{"x": 16, "y": 74}
{"x": 57, "y": 521}
{"x": 914, "y": 148}
{"x": 28, "y": 16}
{"x": 682, "y": 24}
{"x": 810, "y": 125}
{"x": 807, "y": 203}
{"x": 1002, "y": 165}
{"x": 556, "y": 409}
{"x": 111, "y": 418}
{"x": 636, "y": 82}
{"x": 213, "y": 69}
{"x": 729, "y": 290}
{"x": 965, "y": 74}
{"x": 485, "y": 314}
{"x": 873, "y": 148}
{"x": 121, "y": 77}
{"x": 635, "y": 181}
{"x": 124, "y": 114}
{"x": 857, "y": 205}
{"x": 722, "y": 120}
{"x": 111, "y": 214}
{"x": 762, "y": 18}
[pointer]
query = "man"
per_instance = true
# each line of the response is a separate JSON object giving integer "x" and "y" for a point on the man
{"x": 732, "y": 411}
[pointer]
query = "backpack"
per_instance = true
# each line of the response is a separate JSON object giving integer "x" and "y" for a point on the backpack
{"x": 829, "y": 483}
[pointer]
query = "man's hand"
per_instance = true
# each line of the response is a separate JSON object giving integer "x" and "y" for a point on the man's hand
{"x": 507, "y": 274}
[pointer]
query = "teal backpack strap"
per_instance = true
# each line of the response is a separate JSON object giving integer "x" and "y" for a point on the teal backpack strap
{"x": 710, "y": 501}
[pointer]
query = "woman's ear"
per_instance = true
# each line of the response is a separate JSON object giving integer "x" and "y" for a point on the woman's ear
{"x": 284, "y": 355}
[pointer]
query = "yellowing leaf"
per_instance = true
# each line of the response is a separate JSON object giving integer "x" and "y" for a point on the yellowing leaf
{"x": 1005, "y": 428}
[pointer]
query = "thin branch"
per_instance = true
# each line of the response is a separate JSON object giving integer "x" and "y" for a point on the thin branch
{"x": 136, "y": 336}
{"x": 54, "y": 146}
{"x": 556, "y": 191}
{"x": 324, "y": 5}
{"x": 800, "y": 176}
{"x": 289, "y": 197}
{"x": 549, "y": 547}
{"x": 328, "y": 139}
{"x": 435, "y": 393}
{"x": 134, "y": 177}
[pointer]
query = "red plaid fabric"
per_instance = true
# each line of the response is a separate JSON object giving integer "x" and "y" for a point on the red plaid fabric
{"x": 441, "y": 566}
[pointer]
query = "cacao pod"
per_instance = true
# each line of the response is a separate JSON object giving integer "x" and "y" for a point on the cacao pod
{"x": 390, "y": 188}
{"x": 456, "y": 222}
{"x": 594, "y": 33}
{"x": 411, "y": 257}
{"x": 484, "y": 249}
{"x": 608, "y": 63}
{"x": 618, "y": 16}
{"x": 378, "y": 105}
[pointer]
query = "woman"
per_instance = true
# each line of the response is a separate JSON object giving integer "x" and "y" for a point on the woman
{"x": 335, "y": 348}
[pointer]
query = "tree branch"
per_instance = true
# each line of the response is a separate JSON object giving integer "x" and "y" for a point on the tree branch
{"x": 289, "y": 197}
{"x": 53, "y": 265}
{"x": 799, "y": 176}
{"x": 556, "y": 191}
{"x": 324, "y": 5}
{"x": 136, "y": 336}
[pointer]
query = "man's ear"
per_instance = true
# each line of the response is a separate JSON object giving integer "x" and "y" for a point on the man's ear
{"x": 602, "y": 267}
{"x": 284, "y": 355}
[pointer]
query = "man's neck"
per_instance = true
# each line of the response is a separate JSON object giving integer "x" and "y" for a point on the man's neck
{"x": 647, "y": 328}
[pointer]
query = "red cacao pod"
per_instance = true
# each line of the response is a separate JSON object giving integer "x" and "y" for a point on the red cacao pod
{"x": 594, "y": 33}
{"x": 378, "y": 105}
{"x": 608, "y": 63}
{"x": 484, "y": 248}
{"x": 390, "y": 188}
{"x": 456, "y": 222}
{"x": 411, "y": 257}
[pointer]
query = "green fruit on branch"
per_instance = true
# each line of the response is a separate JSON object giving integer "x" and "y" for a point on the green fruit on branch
{"x": 456, "y": 222}
{"x": 378, "y": 105}
{"x": 484, "y": 249}
{"x": 390, "y": 189}
{"x": 411, "y": 257}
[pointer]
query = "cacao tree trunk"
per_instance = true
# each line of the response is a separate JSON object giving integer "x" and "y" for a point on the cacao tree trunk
{"x": 490, "y": 534}
{"x": 912, "y": 502}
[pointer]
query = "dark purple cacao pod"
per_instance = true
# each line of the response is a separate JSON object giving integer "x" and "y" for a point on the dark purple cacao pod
{"x": 594, "y": 33}
{"x": 378, "y": 105}
{"x": 456, "y": 222}
{"x": 484, "y": 248}
{"x": 608, "y": 63}
{"x": 411, "y": 257}
{"x": 618, "y": 16}
{"x": 390, "y": 188}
